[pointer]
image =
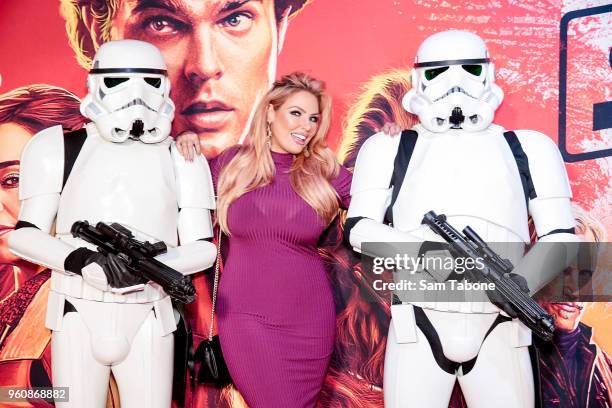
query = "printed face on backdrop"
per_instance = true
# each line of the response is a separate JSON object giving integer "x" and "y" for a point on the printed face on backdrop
{"x": 12, "y": 140}
{"x": 574, "y": 282}
{"x": 221, "y": 57}
{"x": 568, "y": 313}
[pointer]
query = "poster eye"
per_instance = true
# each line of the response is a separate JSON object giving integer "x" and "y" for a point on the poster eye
{"x": 154, "y": 82}
{"x": 112, "y": 82}
{"x": 434, "y": 72}
{"x": 475, "y": 70}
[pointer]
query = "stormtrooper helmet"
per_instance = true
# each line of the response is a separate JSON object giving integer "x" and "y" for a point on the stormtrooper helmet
{"x": 128, "y": 93}
{"x": 453, "y": 83}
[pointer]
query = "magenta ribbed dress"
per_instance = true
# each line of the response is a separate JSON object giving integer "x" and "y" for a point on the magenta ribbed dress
{"x": 276, "y": 313}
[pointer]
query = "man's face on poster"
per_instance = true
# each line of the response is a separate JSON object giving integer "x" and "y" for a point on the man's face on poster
{"x": 221, "y": 57}
{"x": 570, "y": 285}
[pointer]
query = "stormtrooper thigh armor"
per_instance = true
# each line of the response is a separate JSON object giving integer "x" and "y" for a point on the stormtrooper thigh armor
{"x": 414, "y": 376}
{"x": 100, "y": 337}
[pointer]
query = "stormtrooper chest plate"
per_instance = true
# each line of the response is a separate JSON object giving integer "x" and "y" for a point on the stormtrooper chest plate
{"x": 469, "y": 175}
{"x": 131, "y": 183}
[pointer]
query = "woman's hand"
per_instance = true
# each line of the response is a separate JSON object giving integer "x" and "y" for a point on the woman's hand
{"x": 391, "y": 129}
{"x": 187, "y": 143}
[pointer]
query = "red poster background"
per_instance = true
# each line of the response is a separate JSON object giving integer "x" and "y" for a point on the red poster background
{"x": 346, "y": 42}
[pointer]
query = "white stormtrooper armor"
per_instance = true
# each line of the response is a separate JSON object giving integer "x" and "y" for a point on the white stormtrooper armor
{"x": 126, "y": 171}
{"x": 445, "y": 78}
{"x": 462, "y": 166}
{"x": 118, "y": 97}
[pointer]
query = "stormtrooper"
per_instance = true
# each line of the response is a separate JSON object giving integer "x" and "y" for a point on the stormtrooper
{"x": 120, "y": 168}
{"x": 458, "y": 163}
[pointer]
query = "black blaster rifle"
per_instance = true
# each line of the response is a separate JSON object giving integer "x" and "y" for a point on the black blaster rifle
{"x": 138, "y": 256}
{"x": 495, "y": 270}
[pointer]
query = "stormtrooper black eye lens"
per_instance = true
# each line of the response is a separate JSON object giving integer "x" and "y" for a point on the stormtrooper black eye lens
{"x": 434, "y": 72}
{"x": 154, "y": 82}
{"x": 111, "y": 82}
{"x": 475, "y": 70}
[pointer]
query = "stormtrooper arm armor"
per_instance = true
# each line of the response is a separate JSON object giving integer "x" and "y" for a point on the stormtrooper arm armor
{"x": 41, "y": 177}
{"x": 195, "y": 195}
{"x": 551, "y": 212}
{"x": 371, "y": 195}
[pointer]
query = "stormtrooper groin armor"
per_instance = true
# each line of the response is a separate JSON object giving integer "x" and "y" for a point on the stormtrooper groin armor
{"x": 120, "y": 168}
{"x": 458, "y": 163}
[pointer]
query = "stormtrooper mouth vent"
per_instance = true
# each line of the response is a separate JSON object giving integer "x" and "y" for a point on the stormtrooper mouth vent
{"x": 456, "y": 117}
{"x": 453, "y": 90}
{"x": 137, "y": 101}
{"x": 137, "y": 128}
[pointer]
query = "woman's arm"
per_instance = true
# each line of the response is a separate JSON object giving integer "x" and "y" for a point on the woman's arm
{"x": 342, "y": 185}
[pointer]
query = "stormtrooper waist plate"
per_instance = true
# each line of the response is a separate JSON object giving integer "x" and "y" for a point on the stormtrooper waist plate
{"x": 76, "y": 287}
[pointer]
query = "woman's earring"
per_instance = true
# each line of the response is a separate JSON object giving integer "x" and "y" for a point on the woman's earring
{"x": 269, "y": 135}
{"x": 306, "y": 152}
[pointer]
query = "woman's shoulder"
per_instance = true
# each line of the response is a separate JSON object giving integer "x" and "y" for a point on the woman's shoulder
{"x": 344, "y": 172}
{"x": 342, "y": 185}
{"x": 223, "y": 158}
{"x": 336, "y": 173}
{"x": 231, "y": 151}
{"x": 218, "y": 163}
{"x": 343, "y": 176}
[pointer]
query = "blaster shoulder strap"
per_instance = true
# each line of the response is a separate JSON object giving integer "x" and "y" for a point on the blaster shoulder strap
{"x": 522, "y": 162}
{"x": 400, "y": 167}
{"x": 73, "y": 143}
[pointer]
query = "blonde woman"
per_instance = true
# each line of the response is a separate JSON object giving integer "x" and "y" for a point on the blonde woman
{"x": 276, "y": 195}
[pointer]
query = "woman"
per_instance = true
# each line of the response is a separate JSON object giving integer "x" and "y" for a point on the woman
{"x": 277, "y": 194}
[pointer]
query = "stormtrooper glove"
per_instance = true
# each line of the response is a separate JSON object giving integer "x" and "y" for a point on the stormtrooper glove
{"x": 103, "y": 271}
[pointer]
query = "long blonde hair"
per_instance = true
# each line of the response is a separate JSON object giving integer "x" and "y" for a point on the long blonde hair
{"x": 252, "y": 167}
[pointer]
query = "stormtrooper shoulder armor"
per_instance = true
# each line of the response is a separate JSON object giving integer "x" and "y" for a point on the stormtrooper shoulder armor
{"x": 545, "y": 165}
{"x": 194, "y": 186}
{"x": 42, "y": 164}
{"x": 374, "y": 165}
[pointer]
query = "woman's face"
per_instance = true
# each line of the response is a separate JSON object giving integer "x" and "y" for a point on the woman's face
{"x": 294, "y": 123}
{"x": 12, "y": 140}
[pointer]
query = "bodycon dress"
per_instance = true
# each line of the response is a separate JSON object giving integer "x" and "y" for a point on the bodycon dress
{"x": 276, "y": 313}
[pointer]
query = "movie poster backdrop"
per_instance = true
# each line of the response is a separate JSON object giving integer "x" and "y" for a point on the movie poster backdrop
{"x": 553, "y": 60}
